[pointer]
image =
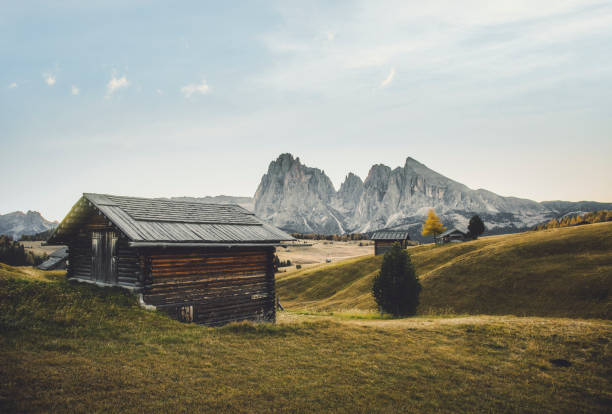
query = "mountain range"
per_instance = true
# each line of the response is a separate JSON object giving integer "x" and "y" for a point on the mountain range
{"x": 302, "y": 199}
{"x": 18, "y": 223}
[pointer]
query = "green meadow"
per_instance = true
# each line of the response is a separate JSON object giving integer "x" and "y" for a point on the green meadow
{"x": 516, "y": 323}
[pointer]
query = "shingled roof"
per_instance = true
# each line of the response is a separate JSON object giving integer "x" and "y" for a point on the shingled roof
{"x": 54, "y": 259}
{"x": 390, "y": 235}
{"x": 451, "y": 231}
{"x": 151, "y": 222}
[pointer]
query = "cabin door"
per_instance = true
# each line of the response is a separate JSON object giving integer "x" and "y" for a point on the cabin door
{"x": 103, "y": 256}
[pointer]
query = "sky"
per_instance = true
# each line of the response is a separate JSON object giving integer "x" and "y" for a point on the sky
{"x": 196, "y": 98}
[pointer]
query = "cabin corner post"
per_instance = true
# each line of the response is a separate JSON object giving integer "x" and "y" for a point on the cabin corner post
{"x": 271, "y": 314}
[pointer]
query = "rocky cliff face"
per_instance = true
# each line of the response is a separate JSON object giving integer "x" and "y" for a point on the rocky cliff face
{"x": 296, "y": 197}
{"x": 349, "y": 194}
{"x": 18, "y": 223}
{"x": 299, "y": 198}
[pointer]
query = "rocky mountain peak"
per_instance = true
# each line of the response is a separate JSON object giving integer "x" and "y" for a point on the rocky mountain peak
{"x": 349, "y": 193}
{"x": 377, "y": 180}
{"x": 297, "y": 196}
{"x": 18, "y": 223}
{"x": 284, "y": 162}
{"x": 351, "y": 183}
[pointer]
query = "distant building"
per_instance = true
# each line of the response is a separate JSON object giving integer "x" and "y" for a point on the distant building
{"x": 56, "y": 260}
{"x": 384, "y": 239}
{"x": 197, "y": 262}
{"x": 452, "y": 235}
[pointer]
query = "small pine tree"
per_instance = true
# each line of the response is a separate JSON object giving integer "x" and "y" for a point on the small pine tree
{"x": 476, "y": 227}
{"x": 432, "y": 225}
{"x": 396, "y": 287}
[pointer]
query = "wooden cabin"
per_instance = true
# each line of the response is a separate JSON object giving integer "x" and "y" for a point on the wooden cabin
{"x": 197, "y": 262}
{"x": 384, "y": 239}
{"x": 452, "y": 235}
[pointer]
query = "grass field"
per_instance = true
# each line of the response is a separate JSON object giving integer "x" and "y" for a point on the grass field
{"x": 80, "y": 348}
{"x": 37, "y": 247}
{"x": 564, "y": 272}
{"x": 313, "y": 253}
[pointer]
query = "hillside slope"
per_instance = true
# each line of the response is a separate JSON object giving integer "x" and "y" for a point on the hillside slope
{"x": 559, "y": 272}
{"x": 73, "y": 347}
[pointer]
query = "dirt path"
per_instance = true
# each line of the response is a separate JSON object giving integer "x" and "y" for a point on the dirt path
{"x": 437, "y": 322}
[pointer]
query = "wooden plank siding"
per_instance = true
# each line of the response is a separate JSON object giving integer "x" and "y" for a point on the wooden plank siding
{"x": 212, "y": 286}
{"x": 383, "y": 246}
{"x": 80, "y": 264}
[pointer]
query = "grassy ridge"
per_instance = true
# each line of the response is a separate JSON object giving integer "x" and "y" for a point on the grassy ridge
{"x": 80, "y": 348}
{"x": 338, "y": 285}
{"x": 558, "y": 272}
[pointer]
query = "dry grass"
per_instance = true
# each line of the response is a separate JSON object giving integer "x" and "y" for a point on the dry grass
{"x": 321, "y": 250}
{"x": 37, "y": 248}
{"x": 560, "y": 272}
{"x": 80, "y": 348}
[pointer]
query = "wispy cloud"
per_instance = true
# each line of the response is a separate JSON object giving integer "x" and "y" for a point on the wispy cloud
{"x": 74, "y": 90}
{"x": 189, "y": 90}
{"x": 474, "y": 41}
{"x": 389, "y": 79}
{"x": 49, "y": 79}
{"x": 12, "y": 85}
{"x": 115, "y": 84}
{"x": 159, "y": 91}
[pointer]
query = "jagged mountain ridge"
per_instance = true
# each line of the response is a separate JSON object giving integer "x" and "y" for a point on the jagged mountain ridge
{"x": 299, "y": 198}
{"x": 18, "y": 223}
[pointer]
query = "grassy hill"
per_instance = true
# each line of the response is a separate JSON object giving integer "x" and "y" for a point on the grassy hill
{"x": 69, "y": 347}
{"x": 559, "y": 272}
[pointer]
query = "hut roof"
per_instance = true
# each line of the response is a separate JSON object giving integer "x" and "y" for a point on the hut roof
{"x": 62, "y": 253}
{"x": 154, "y": 222}
{"x": 54, "y": 259}
{"x": 390, "y": 235}
{"x": 451, "y": 231}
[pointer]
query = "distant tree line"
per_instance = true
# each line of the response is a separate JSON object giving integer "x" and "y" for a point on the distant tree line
{"x": 331, "y": 237}
{"x": 14, "y": 254}
{"x": 281, "y": 263}
{"x": 42, "y": 236}
{"x": 568, "y": 221}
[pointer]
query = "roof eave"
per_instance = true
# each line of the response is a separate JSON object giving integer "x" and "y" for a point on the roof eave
{"x": 147, "y": 244}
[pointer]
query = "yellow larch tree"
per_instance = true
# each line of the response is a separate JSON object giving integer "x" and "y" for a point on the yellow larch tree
{"x": 432, "y": 225}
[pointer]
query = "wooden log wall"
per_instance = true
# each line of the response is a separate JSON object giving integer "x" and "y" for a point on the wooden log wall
{"x": 383, "y": 246}
{"x": 128, "y": 269}
{"x": 213, "y": 286}
{"x": 79, "y": 258}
